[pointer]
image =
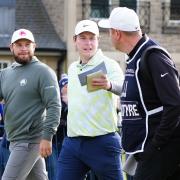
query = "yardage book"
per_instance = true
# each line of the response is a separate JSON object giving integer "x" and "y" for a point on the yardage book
{"x": 97, "y": 74}
{"x": 83, "y": 76}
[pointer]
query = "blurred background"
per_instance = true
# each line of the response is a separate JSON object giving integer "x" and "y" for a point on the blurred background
{"x": 52, "y": 23}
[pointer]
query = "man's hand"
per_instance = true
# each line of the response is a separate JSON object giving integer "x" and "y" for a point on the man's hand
{"x": 102, "y": 82}
{"x": 45, "y": 148}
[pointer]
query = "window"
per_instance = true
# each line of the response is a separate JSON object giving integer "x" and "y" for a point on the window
{"x": 7, "y": 17}
{"x": 171, "y": 17}
{"x": 128, "y": 3}
{"x": 4, "y": 64}
{"x": 99, "y": 9}
{"x": 175, "y": 10}
{"x": 102, "y": 8}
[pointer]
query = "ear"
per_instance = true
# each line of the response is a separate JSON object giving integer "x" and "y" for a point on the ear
{"x": 11, "y": 47}
{"x": 34, "y": 45}
{"x": 118, "y": 34}
{"x": 74, "y": 38}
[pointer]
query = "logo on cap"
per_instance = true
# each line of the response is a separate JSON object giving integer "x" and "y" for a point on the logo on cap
{"x": 22, "y": 33}
{"x": 85, "y": 25}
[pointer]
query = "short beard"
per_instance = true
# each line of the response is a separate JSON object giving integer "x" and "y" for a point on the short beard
{"x": 23, "y": 61}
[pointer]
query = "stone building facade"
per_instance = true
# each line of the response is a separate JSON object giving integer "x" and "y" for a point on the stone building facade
{"x": 64, "y": 14}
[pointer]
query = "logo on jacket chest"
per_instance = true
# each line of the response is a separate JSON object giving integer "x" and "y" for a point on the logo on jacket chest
{"x": 23, "y": 82}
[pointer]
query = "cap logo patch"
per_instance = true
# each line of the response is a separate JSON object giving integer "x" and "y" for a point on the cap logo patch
{"x": 85, "y": 25}
{"x": 22, "y": 33}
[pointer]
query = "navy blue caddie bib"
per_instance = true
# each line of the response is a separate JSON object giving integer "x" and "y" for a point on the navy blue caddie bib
{"x": 133, "y": 109}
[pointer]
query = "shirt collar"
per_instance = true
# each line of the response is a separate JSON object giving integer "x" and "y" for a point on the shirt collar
{"x": 140, "y": 42}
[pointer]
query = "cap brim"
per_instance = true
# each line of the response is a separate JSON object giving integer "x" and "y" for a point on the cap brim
{"x": 104, "y": 23}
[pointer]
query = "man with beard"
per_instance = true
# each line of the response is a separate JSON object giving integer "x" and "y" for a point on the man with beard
{"x": 32, "y": 109}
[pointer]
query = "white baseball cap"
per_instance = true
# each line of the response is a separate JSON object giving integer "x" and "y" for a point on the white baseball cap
{"x": 22, "y": 34}
{"x": 86, "y": 26}
{"x": 121, "y": 18}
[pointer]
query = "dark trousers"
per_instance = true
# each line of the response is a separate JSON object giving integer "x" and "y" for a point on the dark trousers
{"x": 102, "y": 154}
{"x": 161, "y": 165}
